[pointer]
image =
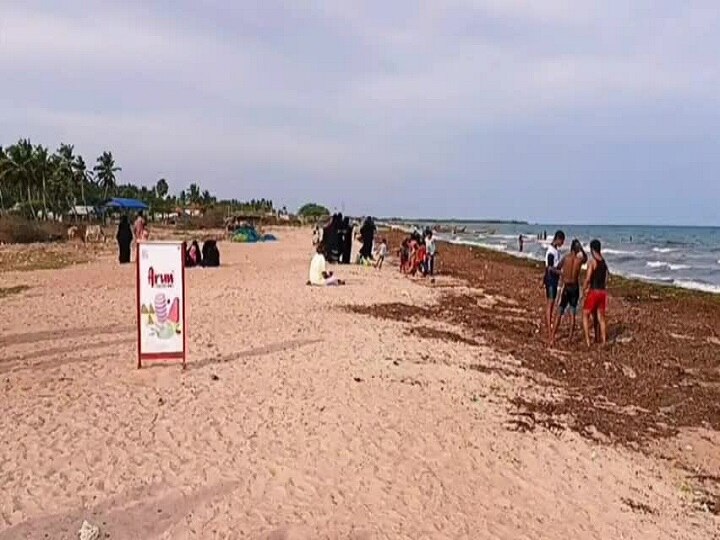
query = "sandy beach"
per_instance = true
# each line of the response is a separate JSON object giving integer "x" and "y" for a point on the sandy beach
{"x": 322, "y": 413}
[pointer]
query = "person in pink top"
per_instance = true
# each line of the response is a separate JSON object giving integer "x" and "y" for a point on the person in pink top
{"x": 139, "y": 231}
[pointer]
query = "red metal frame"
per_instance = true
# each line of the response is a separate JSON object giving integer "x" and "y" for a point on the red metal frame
{"x": 159, "y": 356}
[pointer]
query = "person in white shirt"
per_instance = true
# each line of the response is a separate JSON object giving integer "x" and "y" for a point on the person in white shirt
{"x": 380, "y": 253}
{"x": 319, "y": 276}
{"x": 430, "y": 250}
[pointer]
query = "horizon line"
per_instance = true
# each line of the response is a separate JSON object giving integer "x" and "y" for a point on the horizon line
{"x": 526, "y": 222}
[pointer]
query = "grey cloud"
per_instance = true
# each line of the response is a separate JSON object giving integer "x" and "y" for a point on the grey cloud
{"x": 334, "y": 100}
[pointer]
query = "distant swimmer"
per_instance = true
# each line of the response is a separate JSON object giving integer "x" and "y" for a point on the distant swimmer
{"x": 552, "y": 277}
{"x": 521, "y": 240}
{"x": 595, "y": 290}
{"x": 570, "y": 266}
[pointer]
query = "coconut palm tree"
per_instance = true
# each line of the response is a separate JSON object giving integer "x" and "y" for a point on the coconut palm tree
{"x": 17, "y": 170}
{"x": 105, "y": 171}
{"x": 81, "y": 176}
{"x": 194, "y": 193}
{"x": 4, "y": 178}
{"x": 161, "y": 188}
{"x": 41, "y": 168}
{"x": 64, "y": 180}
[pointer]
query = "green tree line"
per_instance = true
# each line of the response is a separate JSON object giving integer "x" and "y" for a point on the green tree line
{"x": 40, "y": 184}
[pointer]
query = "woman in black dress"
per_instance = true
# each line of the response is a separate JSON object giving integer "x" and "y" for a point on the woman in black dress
{"x": 124, "y": 238}
{"x": 367, "y": 233}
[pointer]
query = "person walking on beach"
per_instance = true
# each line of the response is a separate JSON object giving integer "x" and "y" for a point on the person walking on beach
{"x": 124, "y": 238}
{"x": 570, "y": 266}
{"x": 552, "y": 278}
{"x": 381, "y": 253}
{"x": 595, "y": 291}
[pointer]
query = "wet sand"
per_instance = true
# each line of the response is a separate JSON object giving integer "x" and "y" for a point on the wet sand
{"x": 299, "y": 417}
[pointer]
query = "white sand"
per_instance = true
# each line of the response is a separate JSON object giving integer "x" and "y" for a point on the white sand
{"x": 285, "y": 443}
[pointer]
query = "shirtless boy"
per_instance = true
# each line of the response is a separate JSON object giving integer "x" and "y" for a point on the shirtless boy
{"x": 570, "y": 266}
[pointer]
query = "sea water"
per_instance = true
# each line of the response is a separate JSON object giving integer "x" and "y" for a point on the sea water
{"x": 686, "y": 257}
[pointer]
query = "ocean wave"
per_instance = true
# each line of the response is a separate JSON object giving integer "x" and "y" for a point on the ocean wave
{"x": 664, "y": 250}
{"x": 504, "y": 236}
{"x": 654, "y": 279}
{"x": 669, "y": 266}
{"x": 496, "y": 247}
{"x": 618, "y": 252}
{"x": 696, "y": 285}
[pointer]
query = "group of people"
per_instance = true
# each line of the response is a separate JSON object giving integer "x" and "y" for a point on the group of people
{"x": 337, "y": 236}
{"x": 333, "y": 244}
{"x": 417, "y": 254}
{"x": 208, "y": 256}
{"x": 562, "y": 275}
{"x": 126, "y": 234}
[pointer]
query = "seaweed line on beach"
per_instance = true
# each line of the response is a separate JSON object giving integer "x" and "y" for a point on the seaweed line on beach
{"x": 659, "y": 373}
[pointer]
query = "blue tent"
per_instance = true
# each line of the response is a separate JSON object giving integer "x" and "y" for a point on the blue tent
{"x": 118, "y": 203}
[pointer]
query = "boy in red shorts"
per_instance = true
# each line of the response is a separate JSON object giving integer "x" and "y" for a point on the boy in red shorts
{"x": 595, "y": 290}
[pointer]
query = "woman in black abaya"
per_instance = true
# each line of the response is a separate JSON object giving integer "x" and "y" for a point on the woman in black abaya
{"x": 124, "y": 238}
{"x": 367, "y": 233}
{"x": 347, "y": 241}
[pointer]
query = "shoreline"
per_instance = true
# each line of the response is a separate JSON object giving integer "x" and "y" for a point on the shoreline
{"x": 662, "y": 351}
{"x": 665, "y": 282}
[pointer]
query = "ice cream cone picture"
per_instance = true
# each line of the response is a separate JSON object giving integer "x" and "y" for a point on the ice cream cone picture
{"x": 166, "y": 320}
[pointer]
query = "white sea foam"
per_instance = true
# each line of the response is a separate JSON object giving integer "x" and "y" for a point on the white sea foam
{"x": 664, "y": 250}
{"x": 696, "y": 285}
{"x": 655, "y": 279}
{"x": 664, "y": 280}
{"x": 669, "y": 266}
{"x": 496, "y": 247}
{"x": 618, "y": 252}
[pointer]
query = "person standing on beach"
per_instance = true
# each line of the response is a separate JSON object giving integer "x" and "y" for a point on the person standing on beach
{"x": 429, "y": 253}
{"x": 124, "y": 238}
{"x": 521, "y": 241}
{"x": 381, "y": 253}
{"x": 367, "y": 234}
{"x": 595, "y": 290}
{"x": 552, "y": 278}
{"x": 139, "y": 227}
{"x": 570, "y": 266}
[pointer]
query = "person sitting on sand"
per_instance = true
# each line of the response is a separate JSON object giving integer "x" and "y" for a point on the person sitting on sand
{"x": 210, "y": 255}
{"x": 595, "y": 290}
{"x": 570, "y": 266}
{"x": 319, "y": 276}
{"x": 193, "y": 256}
{"x": 551, "y": 279}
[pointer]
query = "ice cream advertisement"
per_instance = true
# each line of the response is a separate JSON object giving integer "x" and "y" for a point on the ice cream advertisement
{"x": 160, "y": 294}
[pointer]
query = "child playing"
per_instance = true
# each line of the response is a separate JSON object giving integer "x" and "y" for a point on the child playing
{"x": 381, "y": 253}
{"x": 404, "y": 253}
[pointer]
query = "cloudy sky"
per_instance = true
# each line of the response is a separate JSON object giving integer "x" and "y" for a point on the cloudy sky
{"x": 547, "y": 110}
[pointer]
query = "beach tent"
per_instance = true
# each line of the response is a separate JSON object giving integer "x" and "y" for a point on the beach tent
{"x": 118, "y": 203}
{"x": 247, "y": 234}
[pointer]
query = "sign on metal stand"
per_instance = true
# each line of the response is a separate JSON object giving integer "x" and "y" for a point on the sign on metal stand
{"x": 160, "y": 288}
